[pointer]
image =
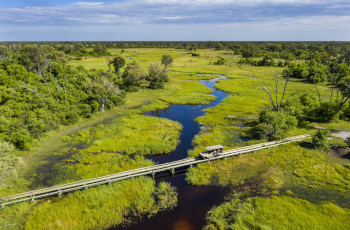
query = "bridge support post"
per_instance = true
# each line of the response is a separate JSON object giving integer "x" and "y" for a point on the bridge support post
{"x": 191, "y": 165}
{"x": 32, "y": 199}
{"x": 85, "y": 187}
{"x": 2, "y": 206}
{"x": 153, "y": 174}
{"x": 172, "y": 171}
{"x": 109, "y": 182}
{"x": 60, "y": 193}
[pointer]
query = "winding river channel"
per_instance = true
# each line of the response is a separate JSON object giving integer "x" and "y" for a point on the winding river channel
{"x": 193, "y": 201}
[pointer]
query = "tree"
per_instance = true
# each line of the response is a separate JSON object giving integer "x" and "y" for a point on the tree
{"x": 157, "y": 76}
{"x": 9, "y": 163}
{"x": 320, "y": 139}
{"x": 133, "y": 76}
{"x": 100, "y": 50}
{"x": 167, "y": 60}
{"x": 273, "y": 99}
{"x": 274, "y": 125}
{"x": 103, "y": 86}
{"x": 344, "y": 89}
{"x": 118, "y": 63}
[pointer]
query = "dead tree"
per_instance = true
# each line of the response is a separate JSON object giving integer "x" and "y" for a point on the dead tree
{"x": 29, "y": 89}
{"x": 273, "y": 99}
{"x": 40, "y": 69}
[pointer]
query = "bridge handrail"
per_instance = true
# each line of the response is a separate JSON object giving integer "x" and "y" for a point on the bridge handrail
{"x": 63, "y": 188}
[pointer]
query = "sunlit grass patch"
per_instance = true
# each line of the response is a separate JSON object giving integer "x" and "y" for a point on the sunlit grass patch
{"x": 136, "y": 134}
{"x": 277, "y": 213}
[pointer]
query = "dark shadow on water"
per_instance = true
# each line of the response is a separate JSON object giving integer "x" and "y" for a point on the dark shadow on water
{"x": 193, "y": 204}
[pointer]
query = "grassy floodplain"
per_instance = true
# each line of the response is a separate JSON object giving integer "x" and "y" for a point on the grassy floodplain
{"x": 102, "y": 145}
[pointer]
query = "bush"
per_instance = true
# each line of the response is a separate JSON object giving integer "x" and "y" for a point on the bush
{"x": 327, "y": 111}
{"x": 347, "y": 141}
{"x": 21, "y": 139}
{"x": 195, "y": 54}
{"x": 6, "y": 147}
{"x": 274, "y": 125}
{"x": 70, "y": 117}
{"x": 220, "y": 61}
{"x": 320, "y": 139}
{"x": 85, "y": 110}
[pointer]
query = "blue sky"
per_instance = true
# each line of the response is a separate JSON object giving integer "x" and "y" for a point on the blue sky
{"x": 202, "y": 20}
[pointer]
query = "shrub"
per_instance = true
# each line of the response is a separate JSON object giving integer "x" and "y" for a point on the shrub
{"x": 320, "y": 139}
{"x": 70, "y": 117}
{"x": 220, "y": 61}
{"x": 347, "y": 141}
{"x": 195, "y": 54}
{"x": 85, "y": 110}
{"x": 6, "y": 147}
{"x": 274, "y": 125}
{"x": 21, "y": 139}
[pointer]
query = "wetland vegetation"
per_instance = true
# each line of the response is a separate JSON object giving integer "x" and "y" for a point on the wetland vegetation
{"x": 83, "y": 117}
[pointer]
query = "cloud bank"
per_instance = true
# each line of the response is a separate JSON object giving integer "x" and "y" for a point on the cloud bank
{"x": 272, "y": 15}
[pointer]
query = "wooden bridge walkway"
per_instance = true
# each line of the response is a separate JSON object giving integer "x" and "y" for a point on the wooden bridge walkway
{"x": 146, "y": 171}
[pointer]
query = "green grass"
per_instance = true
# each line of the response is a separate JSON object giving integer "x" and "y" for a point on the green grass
{"x": 115, "y": 141}
{"x": 136, "y": 134}
{"x": 98, "y": 208}
{"x": 278, "y": 213}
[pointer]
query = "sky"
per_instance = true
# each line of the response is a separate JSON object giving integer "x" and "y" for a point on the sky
{"x": 175, "y": 20}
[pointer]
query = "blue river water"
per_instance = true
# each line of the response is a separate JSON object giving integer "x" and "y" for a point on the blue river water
{"x": 193, "y": 201}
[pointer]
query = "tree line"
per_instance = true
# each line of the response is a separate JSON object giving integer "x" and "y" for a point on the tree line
{"x": 40, "y": 92}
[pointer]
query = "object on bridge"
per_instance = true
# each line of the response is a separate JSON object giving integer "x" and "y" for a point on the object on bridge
{"x": 212, "y": 151}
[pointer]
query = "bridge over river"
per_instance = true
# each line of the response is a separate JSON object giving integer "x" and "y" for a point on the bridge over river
{"x": 146, "y": 171}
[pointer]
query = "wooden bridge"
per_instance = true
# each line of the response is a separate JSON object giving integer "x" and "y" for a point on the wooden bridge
{"x": 146, "y": 171}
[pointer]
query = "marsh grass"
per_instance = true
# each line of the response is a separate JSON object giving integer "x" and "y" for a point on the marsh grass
{"x": 116, "y": 140}
{"x": 277, "y": 213}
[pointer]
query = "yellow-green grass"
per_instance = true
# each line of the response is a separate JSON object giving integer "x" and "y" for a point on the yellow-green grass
{"x": 95, "y": 136}
{"x": 102, "y": 155}
{"x": 98, "y": 208}
{"x": 136, "y": 134}
{"x": 309, "y": 167}
{"x": 278, "y": 213}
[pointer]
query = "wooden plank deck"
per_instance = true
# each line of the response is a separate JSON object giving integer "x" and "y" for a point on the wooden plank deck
{"x": 59, "y": 190}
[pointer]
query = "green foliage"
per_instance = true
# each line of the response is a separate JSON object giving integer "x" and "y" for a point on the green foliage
{"x": 167, "y": 60}
{"x": 311, "y": 71}
{"x": 133, "y": 76}
{"x": 118, "y": 63}
{"x": 320, "y": 139}
{"x": 157, "y": 76}
{"x": 9, "y": 163}
{"x": 220, "y": 61}
{"x": 347, "y": 141}
{"x": 39, "y": 93}
{"x": 274, "y": 125}
{"x": 6, "y": 147}
{"x": 100, "y": 50}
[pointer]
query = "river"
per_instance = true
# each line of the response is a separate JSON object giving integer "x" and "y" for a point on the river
{"x": 193, "y": 201}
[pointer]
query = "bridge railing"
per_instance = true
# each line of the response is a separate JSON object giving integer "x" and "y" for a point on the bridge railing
{"x": 146, "y": 171}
